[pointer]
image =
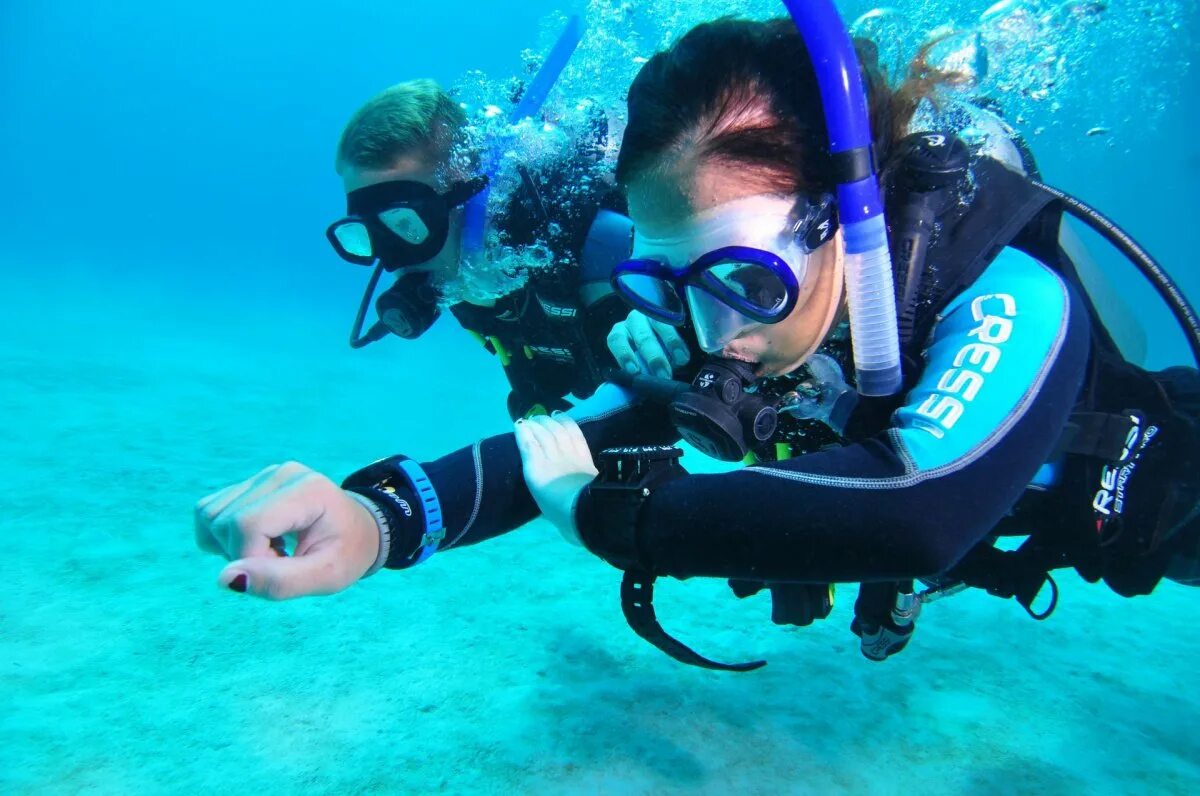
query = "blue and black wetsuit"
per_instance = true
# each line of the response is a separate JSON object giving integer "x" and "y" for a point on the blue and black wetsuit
{"x": 1004, "y": 365}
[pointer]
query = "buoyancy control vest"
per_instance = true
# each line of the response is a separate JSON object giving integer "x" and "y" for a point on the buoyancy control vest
{"x": 1126, "y": 501}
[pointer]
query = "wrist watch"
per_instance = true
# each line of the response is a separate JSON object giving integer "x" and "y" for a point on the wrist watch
{"x": 381, "y": 483}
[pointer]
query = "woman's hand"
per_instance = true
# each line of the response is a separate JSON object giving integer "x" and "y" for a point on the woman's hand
{"x": 337, "y": 539}
{"x": 557, "y": 465}
{"x": 643, "y": 345}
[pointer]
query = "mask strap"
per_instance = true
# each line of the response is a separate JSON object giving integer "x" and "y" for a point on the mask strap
{"x": 835, "y": 304}
{"x": 379, "y": 330}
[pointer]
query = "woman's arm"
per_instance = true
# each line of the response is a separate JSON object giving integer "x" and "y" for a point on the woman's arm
{"x": 481, "y": 490}
{"x": 1003, "y": 369}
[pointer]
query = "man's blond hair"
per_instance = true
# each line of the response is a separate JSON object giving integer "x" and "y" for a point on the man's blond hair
{"x": 415, "y": 117}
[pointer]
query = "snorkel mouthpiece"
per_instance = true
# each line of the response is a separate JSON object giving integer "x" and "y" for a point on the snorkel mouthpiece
{"x": 475, "y": 212}
{"x": 869, "y": 289}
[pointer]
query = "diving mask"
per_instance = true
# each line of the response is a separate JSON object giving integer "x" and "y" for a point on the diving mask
{"x": 400, "y": 223}
{"x": 738, "y": 265}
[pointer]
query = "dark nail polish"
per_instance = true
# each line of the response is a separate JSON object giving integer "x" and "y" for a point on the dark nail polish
{"x": 238, "y": 584}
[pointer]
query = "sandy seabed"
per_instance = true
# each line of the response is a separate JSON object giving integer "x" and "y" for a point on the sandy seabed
{"x": 505, "y": 668}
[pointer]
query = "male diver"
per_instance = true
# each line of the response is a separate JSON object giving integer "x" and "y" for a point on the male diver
{"x": 417, "y": 207}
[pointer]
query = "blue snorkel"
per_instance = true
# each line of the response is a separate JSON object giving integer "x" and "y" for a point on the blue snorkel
{"x": 869, "y": 289}
{"x": 475, "y": 211}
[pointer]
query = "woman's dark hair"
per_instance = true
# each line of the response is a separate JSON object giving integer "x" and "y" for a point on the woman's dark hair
{"x": 745, "y": 92}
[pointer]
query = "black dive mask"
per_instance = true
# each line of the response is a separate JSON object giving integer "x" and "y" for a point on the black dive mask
{"x": 406, "y": 309}
{"x": 400, "y": 223}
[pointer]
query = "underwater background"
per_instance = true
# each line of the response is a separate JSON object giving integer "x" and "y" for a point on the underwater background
{"x": 173, "y": 320}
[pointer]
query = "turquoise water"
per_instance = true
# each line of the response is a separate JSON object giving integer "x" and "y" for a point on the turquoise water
{"x": 173, "y": 321}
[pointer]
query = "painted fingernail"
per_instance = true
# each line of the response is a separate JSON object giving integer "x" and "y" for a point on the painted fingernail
{"x": 239, "y": 583}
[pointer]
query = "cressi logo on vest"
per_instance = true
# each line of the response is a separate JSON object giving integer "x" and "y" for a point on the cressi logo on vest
{"x": 959, "y": 385}
{"x": 556, "y": 310}
{"x": 552, "y": 352}
{"x": 1108, "y": 504}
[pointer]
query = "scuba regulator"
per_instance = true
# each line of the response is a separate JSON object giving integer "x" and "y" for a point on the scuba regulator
{"x": 407, "y": 309}
{"x": 719, "y": 415}
{"x": 722, "y": 414}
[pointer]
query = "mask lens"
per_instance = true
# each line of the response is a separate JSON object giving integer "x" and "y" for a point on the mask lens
{"x": 406, "y": 224}
{"x": 716, "y": 323}
{"x": 653, "y": 296}
{"x": 351, "y": 238}
{"x": 757, "y": 287}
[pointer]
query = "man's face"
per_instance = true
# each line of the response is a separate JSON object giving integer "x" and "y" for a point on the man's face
{"x": 425, "y": 170}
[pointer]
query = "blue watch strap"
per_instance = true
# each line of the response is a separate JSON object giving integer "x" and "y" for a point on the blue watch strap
{"x": 435, "y": 530}
{"x": 380, "y": 482}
